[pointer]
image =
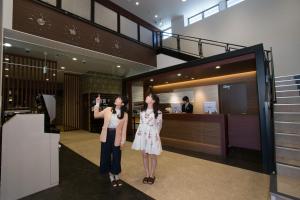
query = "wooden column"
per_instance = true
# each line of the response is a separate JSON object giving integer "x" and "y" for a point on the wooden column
{"x": 71, "y": 102}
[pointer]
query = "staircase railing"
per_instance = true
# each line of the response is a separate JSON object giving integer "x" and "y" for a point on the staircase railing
{"x": 271, "y": 75}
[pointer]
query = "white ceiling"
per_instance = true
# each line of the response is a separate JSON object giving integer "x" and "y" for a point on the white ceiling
{"x": 63, "y": 54}
{"x": 165, "y": 9}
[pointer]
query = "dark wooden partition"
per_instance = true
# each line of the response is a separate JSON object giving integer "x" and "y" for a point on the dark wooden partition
{"x": 71, "y": 102}
{"x": 61, "y": 27}
{"x": 24, "y": 78}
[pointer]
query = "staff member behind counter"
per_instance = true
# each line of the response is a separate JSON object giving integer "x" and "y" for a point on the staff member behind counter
{"x": 187, "y": 107}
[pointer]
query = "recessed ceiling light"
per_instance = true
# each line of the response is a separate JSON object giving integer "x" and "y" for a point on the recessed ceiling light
{"x": 47, "y": 79}
{"x": 137, "y": 3}
{"x": 151, "y": 79}
{"x": 179, "y": 74}
{"x": 74, "y": 59}
{"x": 118, "y": 66}
{"x": 62, "y": 67}
{"x": 7, "y": 59}
{"x": 6, "y": 75}
{"x": 218, "y": 67}
{"x": 6, "y": 69}
{"x": 192, "y": 78}
{"x": 156, "y": 16}
{"x": 7, "y": 44}
{"x": 54, "y": 74}
{"x": 183, "y": 0}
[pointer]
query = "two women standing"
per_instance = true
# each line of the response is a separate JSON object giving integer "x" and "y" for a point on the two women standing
{"x": 113, "y": 137}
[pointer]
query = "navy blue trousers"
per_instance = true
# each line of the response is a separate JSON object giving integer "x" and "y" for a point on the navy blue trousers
{"x": 110, "y": 160}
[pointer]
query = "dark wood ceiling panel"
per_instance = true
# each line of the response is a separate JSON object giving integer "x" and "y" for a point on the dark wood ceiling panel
{"x": 36, "y": 19}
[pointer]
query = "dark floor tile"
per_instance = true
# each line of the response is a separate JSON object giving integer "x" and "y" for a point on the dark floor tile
{"x": 80, "y": 180}
{"x": 237, "y": 157}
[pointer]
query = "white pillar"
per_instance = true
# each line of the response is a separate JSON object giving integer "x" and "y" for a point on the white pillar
{"x": 1, "y": 52}
{"x": 177, "y": 24}
{"x": 7, "y": 14}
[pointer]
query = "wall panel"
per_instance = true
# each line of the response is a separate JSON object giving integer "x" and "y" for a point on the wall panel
{"x": 71, "y": 102}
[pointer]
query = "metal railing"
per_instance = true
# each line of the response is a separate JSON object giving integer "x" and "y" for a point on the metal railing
{"x": 160, "y": 42}
{"x": 271, "y": 75}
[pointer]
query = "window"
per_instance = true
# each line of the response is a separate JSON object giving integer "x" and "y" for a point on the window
{"x": 231, "y": 3}
{"x": 211, "y": 11}
{"x": 52, "y": 2}
{"x": 195, "y": 18}
{"x": 167, "y": 33}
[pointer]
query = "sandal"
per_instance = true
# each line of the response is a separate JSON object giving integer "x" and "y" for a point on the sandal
{"x": 151, "y": 180}
{"x": 114, "y": 183}
{"x": 119, "y": 182}
{"x": 145, "y": 180}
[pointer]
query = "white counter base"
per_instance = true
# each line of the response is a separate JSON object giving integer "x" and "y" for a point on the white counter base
{"x": 30, "y": 157}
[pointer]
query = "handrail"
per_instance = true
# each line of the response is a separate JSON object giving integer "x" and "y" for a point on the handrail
{"x": 273, "y": 93}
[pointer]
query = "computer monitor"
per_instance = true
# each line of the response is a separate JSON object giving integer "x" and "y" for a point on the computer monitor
{"x": 176, "y": 108}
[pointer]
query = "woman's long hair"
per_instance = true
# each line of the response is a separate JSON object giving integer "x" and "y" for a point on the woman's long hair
{"x": 155, "y": 105}
{"x": 123, "y": 108}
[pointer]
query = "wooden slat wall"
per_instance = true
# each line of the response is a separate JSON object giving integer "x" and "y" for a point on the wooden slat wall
{"x": 24, "y": 79}
{"x": 71, "y": 102}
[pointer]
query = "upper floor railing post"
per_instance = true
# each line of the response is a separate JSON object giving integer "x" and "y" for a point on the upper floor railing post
{"x": 178, "y": 43}
{"x": 200, "y": 48}
{"x": 227, "y": 49}
{"x": 161, "y": 39}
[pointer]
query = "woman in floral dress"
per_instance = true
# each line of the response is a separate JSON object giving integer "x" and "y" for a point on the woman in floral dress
{"x": 147, "y": 138}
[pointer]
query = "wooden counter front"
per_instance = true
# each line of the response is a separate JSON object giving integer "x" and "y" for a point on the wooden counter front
{"x": 196, "y": 132}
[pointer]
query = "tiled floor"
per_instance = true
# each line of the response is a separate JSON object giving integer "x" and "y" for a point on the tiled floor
{"x": 178, "y": 176}
{"x": 80, "y": 180}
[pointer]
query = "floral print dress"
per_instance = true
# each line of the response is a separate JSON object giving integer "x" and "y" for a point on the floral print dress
{"x": 147, "y": 135}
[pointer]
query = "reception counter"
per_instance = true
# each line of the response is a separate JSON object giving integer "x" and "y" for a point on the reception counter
{"x": 196, "y": 132}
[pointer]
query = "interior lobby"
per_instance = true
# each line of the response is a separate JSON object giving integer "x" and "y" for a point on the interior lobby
{"x": 223, "y": 75}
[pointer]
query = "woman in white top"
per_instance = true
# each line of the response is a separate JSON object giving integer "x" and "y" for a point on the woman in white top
{"x": 147, "y": 137}
{"x": 112, "y": 137}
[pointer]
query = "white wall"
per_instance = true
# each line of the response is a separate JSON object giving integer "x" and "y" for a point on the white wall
{"x": 78, "y": 7}
{"x": 167, "y": 61}
{"x": 1, "y": 53}
{"x": 7, "y": 13}
{"x": 106, "y": 17}
{"x": 275, "y": 23}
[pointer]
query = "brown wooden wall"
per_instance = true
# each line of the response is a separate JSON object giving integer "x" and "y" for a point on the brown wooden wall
{"x": 23, "y": 79}
{"x": 71, "y": 102}
{"x": 63, "y": 28}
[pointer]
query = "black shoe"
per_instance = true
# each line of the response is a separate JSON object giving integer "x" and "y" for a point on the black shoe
{"x": 119, "y": 182}
{"x": 114, "y": 183}
{"x": 145, "y": 180}
{"x": 151, "y": 180}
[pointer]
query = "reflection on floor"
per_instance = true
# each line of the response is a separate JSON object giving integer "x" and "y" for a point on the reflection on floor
{"x": 80, "y": 180}
{"x": 178, "y": 176}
